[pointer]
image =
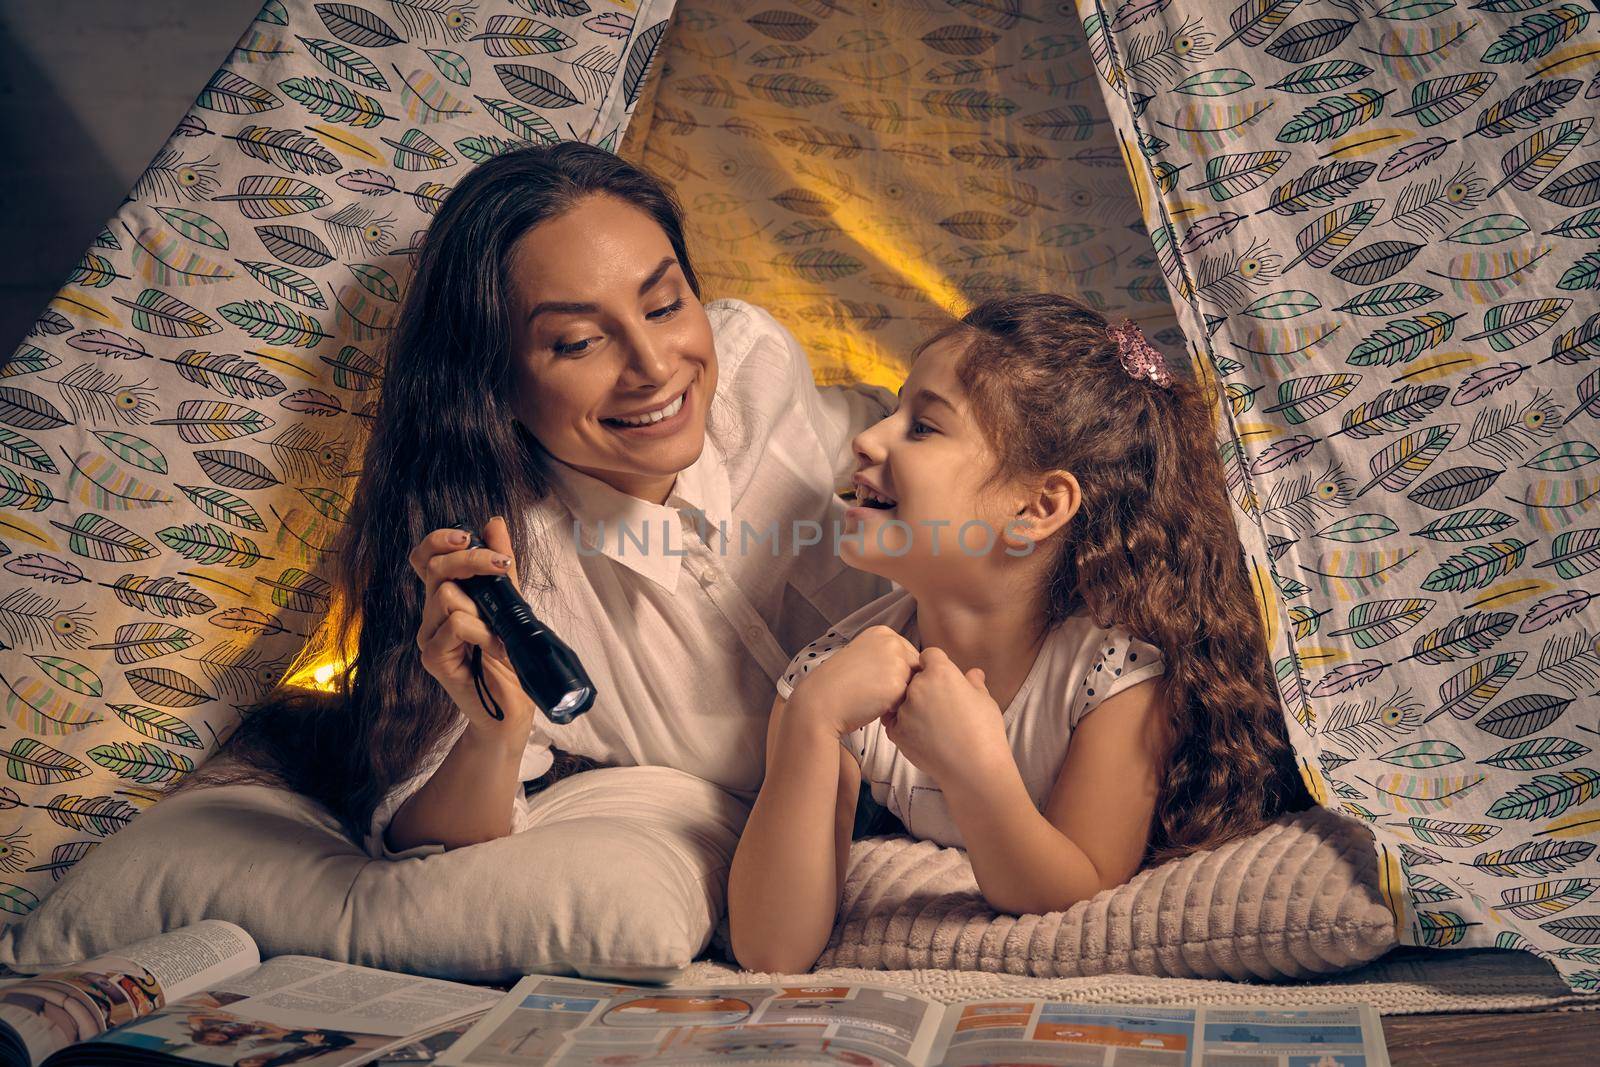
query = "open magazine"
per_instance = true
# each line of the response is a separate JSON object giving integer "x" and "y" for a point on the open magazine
{"x": 201, "y": 994}
{"x": 568, "y": 1022}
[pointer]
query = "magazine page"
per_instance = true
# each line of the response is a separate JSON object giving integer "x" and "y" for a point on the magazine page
{"x": 1068, "y": 1035}
{"x": 427, "y": 1049}
{"x": 1053, "y": 1034}
{"x": 50, "y": 1011}
{"x": 1345, "y": 1035}
{"x": 572, "y": 1022}
{"x": 292, "y": 1009}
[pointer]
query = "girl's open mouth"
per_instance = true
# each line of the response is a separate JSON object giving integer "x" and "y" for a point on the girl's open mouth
{"x": 865, "y": 498}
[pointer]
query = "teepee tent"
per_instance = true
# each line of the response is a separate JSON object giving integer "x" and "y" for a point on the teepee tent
{"x": 1371, "y": 224}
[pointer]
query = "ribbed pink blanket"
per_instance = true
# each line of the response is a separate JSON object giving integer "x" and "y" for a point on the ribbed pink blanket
{"x": 1298, "y": 898}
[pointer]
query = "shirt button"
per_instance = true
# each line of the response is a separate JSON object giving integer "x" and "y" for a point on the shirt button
{"x": 752, "y": 632}
{"x": 710, "y": 578}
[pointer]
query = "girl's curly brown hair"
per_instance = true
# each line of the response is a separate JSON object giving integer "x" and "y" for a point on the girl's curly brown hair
{"x": 1152, "y": 548}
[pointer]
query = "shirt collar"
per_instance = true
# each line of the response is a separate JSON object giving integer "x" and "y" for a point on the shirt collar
{"x": 600, "y": 513}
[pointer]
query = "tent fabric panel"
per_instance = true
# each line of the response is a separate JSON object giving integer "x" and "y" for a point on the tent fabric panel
{"x": 866, "y": 172}
{"x": 1375, "y": 220}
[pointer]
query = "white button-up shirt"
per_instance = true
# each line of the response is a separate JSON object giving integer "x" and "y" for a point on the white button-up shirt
{"x": 685, "y": 615}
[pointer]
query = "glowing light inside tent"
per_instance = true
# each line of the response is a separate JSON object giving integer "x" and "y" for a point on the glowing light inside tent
{"x": 855, "y": 220}
{"x": 319, "y": 665}
{"x": 318, "y": 675}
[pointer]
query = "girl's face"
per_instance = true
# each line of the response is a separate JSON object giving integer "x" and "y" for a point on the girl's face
{"x": 605, "y": 326}
{"x": 931, "y": 459}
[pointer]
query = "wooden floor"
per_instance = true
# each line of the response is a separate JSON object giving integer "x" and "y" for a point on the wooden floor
{"x": 1536, "y": 1038}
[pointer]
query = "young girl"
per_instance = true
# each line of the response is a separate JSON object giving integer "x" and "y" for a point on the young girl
{"x": 1048, "y": 500}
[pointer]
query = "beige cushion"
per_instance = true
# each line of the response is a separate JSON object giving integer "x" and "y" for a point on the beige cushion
{"x": 1296, "y": 899}
{"x": 621, "y": 875}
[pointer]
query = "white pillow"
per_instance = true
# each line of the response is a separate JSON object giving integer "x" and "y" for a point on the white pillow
{"x": 621, "y": 876}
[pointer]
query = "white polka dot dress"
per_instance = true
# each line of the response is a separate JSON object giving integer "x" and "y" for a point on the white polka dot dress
{"x": 814, "y": 653}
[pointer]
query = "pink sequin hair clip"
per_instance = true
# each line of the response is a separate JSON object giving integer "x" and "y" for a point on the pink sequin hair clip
{"x": 1139, "y": 358}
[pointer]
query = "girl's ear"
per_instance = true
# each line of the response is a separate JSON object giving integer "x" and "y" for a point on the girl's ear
{"x": 1053, "y": 502}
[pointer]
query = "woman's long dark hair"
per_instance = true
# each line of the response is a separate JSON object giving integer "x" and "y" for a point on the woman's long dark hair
{"x": 1153, "y": 548}
{"x": 445, "y": 447}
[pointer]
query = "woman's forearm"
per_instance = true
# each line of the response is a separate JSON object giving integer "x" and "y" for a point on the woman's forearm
{"x": 1023, "y": 864}
{"x": 783, "y": 888}
{"x": 469, "y": 799}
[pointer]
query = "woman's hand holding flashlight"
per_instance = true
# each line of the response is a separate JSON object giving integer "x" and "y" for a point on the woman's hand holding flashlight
{"x": 452, "y": 629}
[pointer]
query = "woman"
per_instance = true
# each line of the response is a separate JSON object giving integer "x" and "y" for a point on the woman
{"x": 554, "y": 301}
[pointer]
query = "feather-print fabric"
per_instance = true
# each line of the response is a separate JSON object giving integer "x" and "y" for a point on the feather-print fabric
{"x": 866, "y": 171}
{"x": 1378, "y": 221}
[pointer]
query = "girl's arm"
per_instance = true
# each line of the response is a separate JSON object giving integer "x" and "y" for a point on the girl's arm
{"x": 1095, "y": 826}
{"x": 787, "y": 876}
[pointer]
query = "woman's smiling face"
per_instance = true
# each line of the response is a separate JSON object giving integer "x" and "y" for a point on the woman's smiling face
{"x": 606, "y": 325}
{"x": 931, "y": 459}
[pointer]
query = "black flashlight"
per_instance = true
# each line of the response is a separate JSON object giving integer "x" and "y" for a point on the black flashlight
{"x": 550, "y": 672}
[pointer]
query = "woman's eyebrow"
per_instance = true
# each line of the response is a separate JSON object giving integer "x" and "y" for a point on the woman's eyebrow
{"x": 572, "y": 308}
{"x": 569, "y": 308}
{"x": 657, "y": 274}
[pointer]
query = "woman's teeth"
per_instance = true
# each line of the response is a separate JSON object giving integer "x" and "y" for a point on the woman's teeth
{"x": 655, "y": 416}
